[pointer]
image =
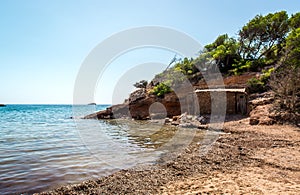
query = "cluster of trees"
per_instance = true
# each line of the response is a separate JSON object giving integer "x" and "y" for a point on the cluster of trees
{"x": 285, "y": 81}
{"x": 268, "y": 44}
{"x": 260, "y": 43}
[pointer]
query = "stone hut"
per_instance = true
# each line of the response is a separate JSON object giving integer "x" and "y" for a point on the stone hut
{"x": 236, "y": 100}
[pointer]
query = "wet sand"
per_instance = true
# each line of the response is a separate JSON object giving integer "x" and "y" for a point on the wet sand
{"x": 245, "y": 159}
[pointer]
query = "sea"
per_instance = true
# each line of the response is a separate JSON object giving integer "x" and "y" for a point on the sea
{"x": 43, "y": 147}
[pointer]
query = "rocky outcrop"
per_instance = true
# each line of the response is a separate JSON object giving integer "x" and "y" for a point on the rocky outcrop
{"x": 116, "y": 111}
{"x": 137, "y": 95}
{"x": 264, "y": 111}
{"x": 103, "y": 114}
{"x": 2, "y": 105}
{"x": 140, "y": 102}
{"x": 138, "y": 106}
{"x": 170, "y": 106}
{"x": 284, "y": 117}
{"x": 260, "y": 115}
{"x": 261, "y": 106}
{"x": 268, "y": 115}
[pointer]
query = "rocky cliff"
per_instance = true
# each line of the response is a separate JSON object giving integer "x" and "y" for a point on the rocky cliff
{"x": 142, "y": 105}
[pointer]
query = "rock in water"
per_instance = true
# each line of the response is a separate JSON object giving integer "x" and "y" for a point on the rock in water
{"x": 2, "y": 105}
{"x": 116, "y": 111}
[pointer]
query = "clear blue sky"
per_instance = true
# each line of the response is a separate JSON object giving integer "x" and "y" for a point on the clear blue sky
{"x": 43, "y": 43}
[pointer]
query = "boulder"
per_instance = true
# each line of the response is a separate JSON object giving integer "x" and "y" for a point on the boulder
{"x": 260, "y": 115}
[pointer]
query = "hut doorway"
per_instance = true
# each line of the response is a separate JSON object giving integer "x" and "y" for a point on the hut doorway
{"x": 241, "y": 102}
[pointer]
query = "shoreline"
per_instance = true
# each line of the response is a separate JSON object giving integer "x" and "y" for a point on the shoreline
{"x": 245, "y": 159}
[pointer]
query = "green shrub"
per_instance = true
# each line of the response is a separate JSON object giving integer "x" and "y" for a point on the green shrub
{"x": 186, "y": 67}
{"x": 256, "y": 85}
{"x": 241, "y": 67}
{"x": 161, "y": 89}
{"x": 266, "y": 75}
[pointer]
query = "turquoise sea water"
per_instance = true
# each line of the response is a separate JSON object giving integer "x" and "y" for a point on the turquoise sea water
{"x": 42, "y": 147}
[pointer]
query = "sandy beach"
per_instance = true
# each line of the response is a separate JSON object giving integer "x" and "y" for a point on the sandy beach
{"x": 244, "y": 160}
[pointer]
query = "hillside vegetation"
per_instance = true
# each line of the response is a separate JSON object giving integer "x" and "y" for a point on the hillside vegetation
{"x": 268, "y": 45}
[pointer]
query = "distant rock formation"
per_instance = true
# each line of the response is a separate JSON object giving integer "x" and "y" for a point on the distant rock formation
{"x": 2, "y": 105}
{"x": 92, "y": 104}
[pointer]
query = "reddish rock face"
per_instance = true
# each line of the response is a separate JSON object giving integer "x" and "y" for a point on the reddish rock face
{"x": 138, "y": 107}
{"x": 172, "y": 105}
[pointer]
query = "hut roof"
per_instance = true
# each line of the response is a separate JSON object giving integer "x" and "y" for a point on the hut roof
{"x": 241, "y": 90}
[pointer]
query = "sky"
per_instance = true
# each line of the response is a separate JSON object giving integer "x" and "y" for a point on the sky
{"x": 43, "y": 43}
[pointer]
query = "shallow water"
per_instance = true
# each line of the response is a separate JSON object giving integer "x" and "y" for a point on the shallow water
{"x": 41, "y": 147}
